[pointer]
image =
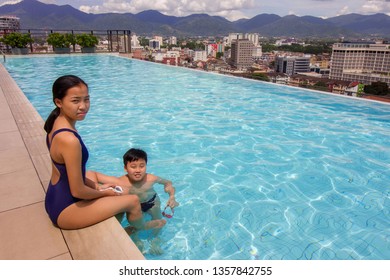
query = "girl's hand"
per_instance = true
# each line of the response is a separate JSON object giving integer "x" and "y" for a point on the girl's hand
{"x": 112, "y": 191}
{"x": 105, "y": 186}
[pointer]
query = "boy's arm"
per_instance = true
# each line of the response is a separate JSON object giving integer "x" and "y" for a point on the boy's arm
{"x": 169, "y": 189}
{"x": 97, "y": 178}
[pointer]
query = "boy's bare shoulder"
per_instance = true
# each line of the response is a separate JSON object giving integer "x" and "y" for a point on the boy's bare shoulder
{"x": 151, "y": 177}
{"x": 124, "y": 180}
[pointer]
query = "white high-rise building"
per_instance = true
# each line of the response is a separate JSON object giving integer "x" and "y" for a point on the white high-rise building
{"x": 159, "y": 39}
{"x": 362, "y": 62}
{"x": 172, "y": 40}
{"x": 154, "y": 44}
{"x": 134, "y": 41}
{"x": 233, "y": 36}
{"x": 253, "y": 37}
{"x": 200, "y": 55}
{"x": 10, "y": 23}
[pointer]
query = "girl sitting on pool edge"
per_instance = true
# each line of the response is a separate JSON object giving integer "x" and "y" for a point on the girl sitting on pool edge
{"x": 137, "y": 181}
{"x": 71, "y": 200}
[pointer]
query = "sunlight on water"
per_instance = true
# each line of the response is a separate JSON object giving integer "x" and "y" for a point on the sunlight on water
{"x": 261, "y": 171}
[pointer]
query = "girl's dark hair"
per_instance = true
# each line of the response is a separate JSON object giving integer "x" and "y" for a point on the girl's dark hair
{"x": 134, "y": 155}
{"x": 60, "y": 88}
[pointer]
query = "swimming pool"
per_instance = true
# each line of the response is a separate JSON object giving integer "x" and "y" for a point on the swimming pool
{"x": 261, "y": 171}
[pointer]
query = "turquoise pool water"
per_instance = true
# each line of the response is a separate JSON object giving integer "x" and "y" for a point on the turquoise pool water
{"x": 261, "y": 171}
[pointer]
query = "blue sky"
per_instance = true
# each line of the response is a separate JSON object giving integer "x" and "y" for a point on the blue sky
{"x": 230, "y": 9}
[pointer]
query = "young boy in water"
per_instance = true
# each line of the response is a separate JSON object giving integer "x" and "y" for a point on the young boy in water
{"x": 137, "y": 181}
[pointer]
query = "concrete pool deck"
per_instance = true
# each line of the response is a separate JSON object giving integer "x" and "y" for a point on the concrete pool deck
{"x": 25, "y": 229}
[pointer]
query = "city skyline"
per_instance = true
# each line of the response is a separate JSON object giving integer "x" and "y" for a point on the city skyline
{"x": 229, "y": 9}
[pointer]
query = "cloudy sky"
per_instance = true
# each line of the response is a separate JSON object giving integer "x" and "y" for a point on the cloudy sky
{"x": 230, "y": 9}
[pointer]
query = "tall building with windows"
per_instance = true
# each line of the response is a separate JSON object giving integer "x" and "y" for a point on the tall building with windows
{"x": 241, "y": 53}
{"x": 9, "y": 23}
{"x": 231, "y": 37}
{"x": 253, "y": 37}
{"x": 200, "y": 55}
{"x": 291, "y": 65}
{"x": 172, "y": 40}
{"x": 362, "y": 62}
{"x": 154, "y": 44}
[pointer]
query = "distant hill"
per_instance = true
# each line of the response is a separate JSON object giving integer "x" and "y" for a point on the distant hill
{"x": 378, "y": 24}
{"x": 36, "y": 15}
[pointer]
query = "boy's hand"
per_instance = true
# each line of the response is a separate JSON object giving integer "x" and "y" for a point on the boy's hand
{"x": 126, "y": 189}
{"x": 172, "y": 202}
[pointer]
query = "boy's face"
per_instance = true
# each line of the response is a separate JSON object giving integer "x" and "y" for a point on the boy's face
{"x": 136, "y": 170}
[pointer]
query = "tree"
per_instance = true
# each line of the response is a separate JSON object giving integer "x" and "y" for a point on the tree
{"x": 267, "y": 47}
{"x": 86, "y": 40}
{"x": 260, "y": 76}
{"x": 320, "y": 84}
{"x": 193, "y": 45}
{"x": 17, "y": 40}
{"x": 377, "y": 88}
{"x": 143, "y": 42}
{"x": 59, "y": 40}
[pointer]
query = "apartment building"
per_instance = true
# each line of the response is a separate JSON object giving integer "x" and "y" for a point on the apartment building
{"x": 253, "y": 37}
{"x": 213, "y": 49}
{"x": 231, "y": 37}
{"x": 291, "y": 65}
{"x": 362, "y": 62}
{"x": 241, "y": 53}
{"x": 155, "y": 44}
{"x": 172, "y": 40}
{"x": 200, "y": 55}
{"x": 257, "y": 52}
{"x": 9, "y": 24}
{"x": 134, "y": 41}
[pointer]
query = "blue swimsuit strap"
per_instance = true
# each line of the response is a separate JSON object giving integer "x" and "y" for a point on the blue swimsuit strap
{"x": 54, "y": 134}
{"x": 58, "y": 131}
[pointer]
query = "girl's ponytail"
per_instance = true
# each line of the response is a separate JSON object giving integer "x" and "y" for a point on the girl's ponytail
{"x": 50, "y": 120}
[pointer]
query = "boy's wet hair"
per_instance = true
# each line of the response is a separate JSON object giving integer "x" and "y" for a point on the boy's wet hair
{"x": 134, "y": 155}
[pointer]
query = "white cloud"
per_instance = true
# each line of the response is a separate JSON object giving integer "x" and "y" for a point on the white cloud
{"x": 9, "y": 2}
{"x": 344, "y": 11}
{"x": 231, "y": 9}
{"x": 376, "y": 6}
{"x": 90, "y": 9}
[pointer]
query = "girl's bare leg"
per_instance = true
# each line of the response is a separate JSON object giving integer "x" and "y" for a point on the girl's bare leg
{"x": 89, "y": 212}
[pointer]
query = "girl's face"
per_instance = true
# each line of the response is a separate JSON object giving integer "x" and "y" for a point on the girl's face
{"x": 75, "y": 104}
{"x": 136, "y": 170}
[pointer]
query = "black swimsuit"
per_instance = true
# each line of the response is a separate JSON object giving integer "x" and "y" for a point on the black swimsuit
{"x": 145, "y": 206}
{"x": 58, "y": 196}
